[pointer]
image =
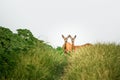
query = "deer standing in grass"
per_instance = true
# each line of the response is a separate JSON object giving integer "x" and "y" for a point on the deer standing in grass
{"x": 66, "y": 46}
{"x": 74, "y": 48}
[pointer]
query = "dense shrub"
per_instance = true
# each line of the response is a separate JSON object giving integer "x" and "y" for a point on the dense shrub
{"x": 60, "y": 50}
{"x": 10, "y": 45}
{"x": 23, "y": 57}
{"x": 7, "y": 56}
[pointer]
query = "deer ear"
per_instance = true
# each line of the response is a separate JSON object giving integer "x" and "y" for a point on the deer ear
{"x": 70, "y": 36}
{"x": 63, "y": 36}
{"x": 74, "y": 36}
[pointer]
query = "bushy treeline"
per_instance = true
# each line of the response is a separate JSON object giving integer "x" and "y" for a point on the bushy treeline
{"x": 11, "y": 44}
{"x": 23, "y": 57}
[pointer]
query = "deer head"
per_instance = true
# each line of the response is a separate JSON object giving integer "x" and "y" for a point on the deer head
{"x": 72, "y": 38}
{"x": 65, "y": 38}
{"x": 66, "y": 46}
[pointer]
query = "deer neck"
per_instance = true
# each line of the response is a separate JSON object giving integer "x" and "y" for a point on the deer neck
{"x": 73, "y": 46}
{"x": 65, "y": 47}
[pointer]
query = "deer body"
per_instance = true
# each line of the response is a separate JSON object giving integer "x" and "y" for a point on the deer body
{"x": 67, "y": 47}
{"x": 74, "y": 48}
{"x": 87, "y": 44}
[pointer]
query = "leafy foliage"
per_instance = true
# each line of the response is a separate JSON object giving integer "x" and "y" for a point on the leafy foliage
{"x": 24, "y": 57}
{"x": 7, "y": 56}
{"x": 60, "y": 50}
{"x": 10, "y": 45}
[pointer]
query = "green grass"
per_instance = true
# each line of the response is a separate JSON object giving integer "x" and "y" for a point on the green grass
{"x": 40, "y": 63}
{"x": 98, "y": 62}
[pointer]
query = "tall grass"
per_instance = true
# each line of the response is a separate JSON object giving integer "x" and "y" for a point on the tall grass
{"x": 40, "y": 63}
{"x": 98, "y": 62}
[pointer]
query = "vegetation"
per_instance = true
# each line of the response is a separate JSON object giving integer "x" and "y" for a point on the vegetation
{"x": 24, "y": 57}
{"x": 98, "y": 62}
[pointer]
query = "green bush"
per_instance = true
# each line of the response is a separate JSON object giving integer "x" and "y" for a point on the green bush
{"x": 23, "y": 57}
{"x": 10, "y": 45}
{"x": 8, "y": 59}
{"x": 60, "y": 50}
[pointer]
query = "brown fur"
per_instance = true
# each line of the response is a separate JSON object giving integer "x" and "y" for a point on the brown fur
{"x": 74, "y": 48}
{"x": 66, "y": 46}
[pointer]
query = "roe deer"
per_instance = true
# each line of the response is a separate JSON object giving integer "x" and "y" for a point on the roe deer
{"x": 76, "y": 47}
{"x": 66, "y": 46}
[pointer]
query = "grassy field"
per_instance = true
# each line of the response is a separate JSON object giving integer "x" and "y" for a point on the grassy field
{"x": 40, "y": 63}
{"x": 98, "y": 62}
